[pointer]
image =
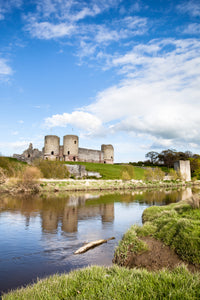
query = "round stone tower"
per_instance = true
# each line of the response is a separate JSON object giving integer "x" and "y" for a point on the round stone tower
{"x": 51, "y": 147}
{"x": 70, "y": 147}
{"x": 108, "y": 154}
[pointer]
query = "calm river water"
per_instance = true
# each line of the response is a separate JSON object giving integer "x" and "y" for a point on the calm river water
{"x": 38, "y": 234}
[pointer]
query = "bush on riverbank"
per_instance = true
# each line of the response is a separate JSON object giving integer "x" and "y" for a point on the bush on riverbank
{"x": 176, "y": 225}
{"x": 30, "y": 177}
{"x": 154, "y": 174}
{"x": 113, "y": 283}
{"x": 52, "y": 169}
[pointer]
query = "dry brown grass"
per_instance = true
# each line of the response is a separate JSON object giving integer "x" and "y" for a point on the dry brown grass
{"x": 2, "y": 176}
{"x": 31, "y": 175}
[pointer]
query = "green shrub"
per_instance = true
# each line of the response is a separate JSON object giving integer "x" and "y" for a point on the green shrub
{"x": 154, "y": 174}
{"x": 52, "y": 169}
{"x": 127, "y": 172}
{"x": 174, "y": 174}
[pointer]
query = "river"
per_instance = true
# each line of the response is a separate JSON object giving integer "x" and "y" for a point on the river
{"x": 39, "y": 234}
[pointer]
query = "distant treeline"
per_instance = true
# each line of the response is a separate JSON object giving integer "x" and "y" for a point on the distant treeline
{"x": 166, "y": 158}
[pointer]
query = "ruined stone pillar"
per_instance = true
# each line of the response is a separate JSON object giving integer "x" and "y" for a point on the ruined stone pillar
{"x": 183, "y": 166}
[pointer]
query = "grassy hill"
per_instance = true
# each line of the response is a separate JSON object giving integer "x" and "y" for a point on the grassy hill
{"x": 11, "y": 166}
{"x": 110, "y": 171}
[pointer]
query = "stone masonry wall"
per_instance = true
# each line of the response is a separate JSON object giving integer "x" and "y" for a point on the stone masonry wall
{"x": 89, "y": 155}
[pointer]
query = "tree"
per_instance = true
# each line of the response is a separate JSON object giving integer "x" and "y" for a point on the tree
{"x": 153, "y": 156}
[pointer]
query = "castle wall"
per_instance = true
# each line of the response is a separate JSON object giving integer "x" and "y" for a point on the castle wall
{"x": 90, "y": 155}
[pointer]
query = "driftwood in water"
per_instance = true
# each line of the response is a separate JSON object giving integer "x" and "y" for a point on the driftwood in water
{"x": 92, "y": 245}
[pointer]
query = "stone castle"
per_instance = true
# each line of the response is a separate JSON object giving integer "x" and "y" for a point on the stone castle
{"x": 69, "y": 151}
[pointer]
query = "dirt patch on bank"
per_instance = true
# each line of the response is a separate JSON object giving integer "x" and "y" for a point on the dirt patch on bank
{"x": 159, "y": 256}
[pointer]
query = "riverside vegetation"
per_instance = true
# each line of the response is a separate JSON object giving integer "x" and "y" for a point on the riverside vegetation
{"x": 16, "y": 176}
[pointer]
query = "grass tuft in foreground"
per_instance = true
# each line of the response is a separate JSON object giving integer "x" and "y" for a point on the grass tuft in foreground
{"x": 113, "y": 283}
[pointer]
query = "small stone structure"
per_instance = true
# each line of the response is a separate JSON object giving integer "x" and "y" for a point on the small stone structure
{"x": 80, "y": 171}
{"x": 29, "y": 155}
{"x": 70, "y": 150}
{"x": 183, "y": 166}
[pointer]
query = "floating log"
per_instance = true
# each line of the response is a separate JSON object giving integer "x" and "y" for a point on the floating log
{"x": 92, "y": 245}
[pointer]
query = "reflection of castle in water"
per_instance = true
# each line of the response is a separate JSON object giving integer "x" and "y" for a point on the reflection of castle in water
{"x": 65, "y": 213}
{"x": 71, "y": 214}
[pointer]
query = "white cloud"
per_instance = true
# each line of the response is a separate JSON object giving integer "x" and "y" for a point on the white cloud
{"x": 193, "y": 28}
{"x": 73, "y": 10}
{"x": 46, "y": 30}
{"x": 15, "y": 132}
{"x": 5, "y": 69}
{"x": 66, "y": 19}
{"x": 80, "y": 119}
{"x": 7, "y": 6}
{"x": 190, "y": 7}
{"x": 124, "y": 28}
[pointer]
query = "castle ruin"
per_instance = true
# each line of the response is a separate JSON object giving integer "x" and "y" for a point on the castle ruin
{"x": 70, "y": 150}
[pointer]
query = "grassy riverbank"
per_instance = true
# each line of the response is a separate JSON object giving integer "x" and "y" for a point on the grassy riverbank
{"x": 14, "y": 185}
{"x": 113, "y": 283}
{"x": 176, "y": 225}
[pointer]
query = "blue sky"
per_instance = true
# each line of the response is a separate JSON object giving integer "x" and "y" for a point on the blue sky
{"x": 114, "y": 71}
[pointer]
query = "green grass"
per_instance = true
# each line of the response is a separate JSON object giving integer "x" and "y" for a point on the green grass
{"x": 113, "y": 283}
{"x": 110, "y": 171}
{"x": 177, "y": 225}
{"x": 11, "y": 166}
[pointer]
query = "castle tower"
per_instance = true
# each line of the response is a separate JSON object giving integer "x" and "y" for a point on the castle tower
{"x": 108, "y": 154}
{"x": 70, "y": 147}
{"x": 51, "y": 147}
